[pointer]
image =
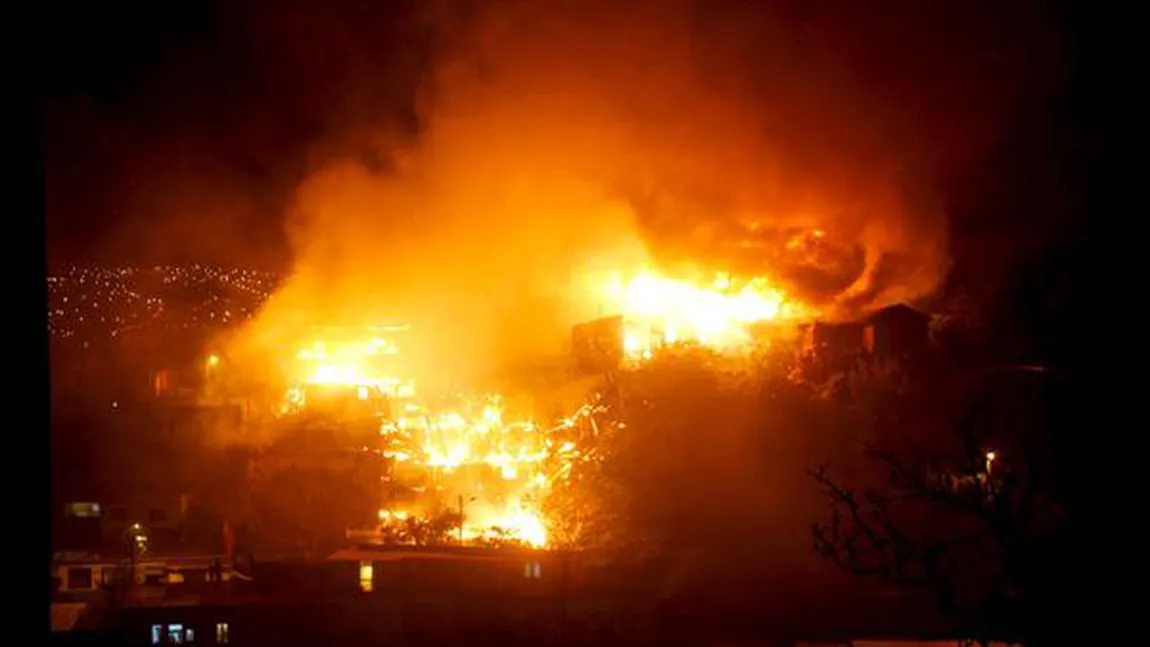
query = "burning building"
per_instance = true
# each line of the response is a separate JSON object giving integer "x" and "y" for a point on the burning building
{"x": 335, "y": 365}
{"x": 895, "y": 333}
{"x": 461, "y": 463}
{"x": 835, "y": 339}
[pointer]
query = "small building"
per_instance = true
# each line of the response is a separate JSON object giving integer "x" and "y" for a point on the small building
{"x": 494, "y": 571}
{"x": 897, "y": 332}
{"x": 95, "y": 527}
{"x": 161, "y": 519}
{"x": 227, "y": 619}
{"x": 835, "y": 339}
{"x": 79, "y": 528}
{"x": 91, "y": 576}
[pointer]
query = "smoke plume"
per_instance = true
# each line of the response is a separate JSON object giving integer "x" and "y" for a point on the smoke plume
{"x": 795, "y": 143}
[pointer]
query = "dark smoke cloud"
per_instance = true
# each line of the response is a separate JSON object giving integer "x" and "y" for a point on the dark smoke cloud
{"x": 188, "y": 146}
{"x": 449, "y": 160}
{"x": 709, "y": 133}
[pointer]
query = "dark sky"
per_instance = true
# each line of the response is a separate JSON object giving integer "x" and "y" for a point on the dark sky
{"x": 180, "y": 130}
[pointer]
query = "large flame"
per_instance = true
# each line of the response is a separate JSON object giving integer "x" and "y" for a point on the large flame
{"x": 469, "y": 453}
{"x": 661, "y": 310}
{"x": 552, "y": 130}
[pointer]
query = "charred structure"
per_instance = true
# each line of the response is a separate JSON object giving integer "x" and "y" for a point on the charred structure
{"x": 898, "y": 332}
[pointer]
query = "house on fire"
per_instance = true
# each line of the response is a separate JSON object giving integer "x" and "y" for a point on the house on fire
{"x": 896, "y": 332}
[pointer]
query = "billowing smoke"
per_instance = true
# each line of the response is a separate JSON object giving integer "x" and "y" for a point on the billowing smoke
{"x": 799, "y": 144}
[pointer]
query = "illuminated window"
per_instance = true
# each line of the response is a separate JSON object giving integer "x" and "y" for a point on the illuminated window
{"x": 532, "y": 570}
{"x": 156, "y": 631}
{"x": 366, "y": 573}
{"x": 361, "y": 392}
{"x": 176, "y": 634}
{"x": 221, "y": 633}
{"x": 83, "y": 510}
{"x": 189, "y": 635}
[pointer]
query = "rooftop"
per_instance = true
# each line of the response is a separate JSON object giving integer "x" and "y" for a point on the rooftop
{"x": 452, "y": 553}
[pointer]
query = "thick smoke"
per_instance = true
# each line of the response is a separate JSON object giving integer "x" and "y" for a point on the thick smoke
{"x": 800, "y": 145}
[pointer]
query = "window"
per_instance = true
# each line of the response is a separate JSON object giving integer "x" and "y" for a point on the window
{"x": 221, "y": 633}
{"x": 532, "y": 570}
{"x": 189, "y": 635}
{"x": 79, "y": 578}
{"x": 366, "y": 575}
{"x": 176, "y": 634}
{"x": 83, "y": 510}
{"x": 157, "y": 630}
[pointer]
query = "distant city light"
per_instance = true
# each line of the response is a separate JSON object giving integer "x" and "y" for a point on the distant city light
{"x": 86, "y": 304}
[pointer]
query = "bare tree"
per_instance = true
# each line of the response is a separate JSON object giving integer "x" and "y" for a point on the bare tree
{"x": 972, "y": 518}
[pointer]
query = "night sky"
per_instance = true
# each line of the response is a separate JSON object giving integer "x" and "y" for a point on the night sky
{"x": 179, "y": 131}
{"x": 181, "y": 125}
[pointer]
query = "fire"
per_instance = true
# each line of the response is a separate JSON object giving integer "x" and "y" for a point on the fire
{"x": 368, "y": 366}
{"x": 522, "y": 524}
{"x": 473, "y": 456}
{"x": 660, "y": 310}
{"x": 348, "y": 363}
{"x": 491, "y": 463}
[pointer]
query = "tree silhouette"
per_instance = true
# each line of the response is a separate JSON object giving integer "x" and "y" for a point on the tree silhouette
{"x": 972, "y": 516}
{"x": 436, "y": 530}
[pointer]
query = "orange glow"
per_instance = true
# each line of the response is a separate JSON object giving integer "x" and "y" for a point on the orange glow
{"x": 748, "y": 188}
{"x": 661, "y": 310}
{"x": 712, "y": 309}
{"x": 351, "y": 363}
{"x": 472, "y": 449}
{"x": 476, "y": 436}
